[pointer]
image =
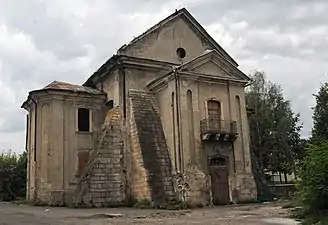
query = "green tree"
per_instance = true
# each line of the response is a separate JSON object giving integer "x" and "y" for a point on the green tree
{"x": 274, "y": 129}
{"x": 313, "y": 182}
{"x": 320, "y": 114}
{"x": 12, "y": 176}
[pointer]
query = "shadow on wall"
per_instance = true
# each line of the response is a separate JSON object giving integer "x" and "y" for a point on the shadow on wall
{"x": 153, "y": 149}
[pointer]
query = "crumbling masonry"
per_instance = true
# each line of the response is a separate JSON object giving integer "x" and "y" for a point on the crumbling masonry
{"x": 164, "y": 118}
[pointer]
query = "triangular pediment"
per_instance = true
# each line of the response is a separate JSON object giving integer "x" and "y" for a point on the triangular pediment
{"x": 212, "y": 63}
{"x": 179, "y": 30}
{"x": 208, "y": 67}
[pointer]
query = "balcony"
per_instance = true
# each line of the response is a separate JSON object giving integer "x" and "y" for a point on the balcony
{"x": 218, "y": 130}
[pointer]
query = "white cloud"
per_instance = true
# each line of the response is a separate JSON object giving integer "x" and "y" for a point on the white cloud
{"x": 42, "y": 40}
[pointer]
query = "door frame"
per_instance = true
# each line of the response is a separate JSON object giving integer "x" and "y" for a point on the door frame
{"x": 214, "y": 167}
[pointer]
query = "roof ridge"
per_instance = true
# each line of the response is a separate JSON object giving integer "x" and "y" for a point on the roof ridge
{"x": 151, "y": 28}
{"x": 193, "y": 21}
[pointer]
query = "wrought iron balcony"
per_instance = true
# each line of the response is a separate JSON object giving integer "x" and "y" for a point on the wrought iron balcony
{"x": 219, "y": 130}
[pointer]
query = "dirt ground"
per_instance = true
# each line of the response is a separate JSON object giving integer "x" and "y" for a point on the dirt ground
{"x": 251, "y": 214}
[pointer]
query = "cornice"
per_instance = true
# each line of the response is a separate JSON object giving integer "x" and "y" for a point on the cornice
{"x": 198, "y": 77}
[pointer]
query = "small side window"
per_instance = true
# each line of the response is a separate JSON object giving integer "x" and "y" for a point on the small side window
{"x": 110, "y": 104}
{"x": 83, "y": 119}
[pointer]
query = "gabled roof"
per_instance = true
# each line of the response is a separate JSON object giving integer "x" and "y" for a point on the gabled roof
{"x": 194, "y": 24}
{"x": 112, "y": 61}
{"x": 62, "y": 86}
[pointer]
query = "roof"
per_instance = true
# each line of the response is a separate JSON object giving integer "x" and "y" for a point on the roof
{"x": 62, "y": 86}
{"x": 192, "y": 21}
{"x": 110, "y": 63}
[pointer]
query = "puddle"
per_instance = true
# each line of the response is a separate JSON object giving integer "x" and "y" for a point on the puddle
{"x": 282, "y": 221}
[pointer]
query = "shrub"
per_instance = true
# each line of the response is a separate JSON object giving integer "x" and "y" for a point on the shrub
{"x": 313, "y": 182}
{"x": 12, "y": 176}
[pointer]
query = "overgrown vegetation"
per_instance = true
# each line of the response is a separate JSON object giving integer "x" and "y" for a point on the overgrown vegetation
{"x": 12, "y": 176}
{"x": 275, "y": 143}
{"x": 313, "y": 184}
{"x": 320, "y": 115}
{"x": 313, "y": 171}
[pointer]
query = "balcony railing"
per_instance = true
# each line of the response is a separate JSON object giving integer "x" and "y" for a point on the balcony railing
{"x": 216, "y": 126}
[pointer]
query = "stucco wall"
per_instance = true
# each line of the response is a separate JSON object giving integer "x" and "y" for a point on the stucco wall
{"x": 137, "y": 78}
{"x": 167, "y": 110}
{"x": 30, "y": 157}
{"x": 194, "y": 151}
{"x": 110, "y": 85}
{"x": 58, "y": 142}
{"x": 163, "y": 43}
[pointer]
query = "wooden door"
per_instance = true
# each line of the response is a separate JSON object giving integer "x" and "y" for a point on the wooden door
{"x": 219, "y": 181}
{"x": 214, "y": 114}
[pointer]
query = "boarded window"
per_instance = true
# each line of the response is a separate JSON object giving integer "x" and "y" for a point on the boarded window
{"x": 83, "y": 119}
{"x": 214, "y": 115}
{"x": 214, "y": 110}
{"x": 83, "y": 159}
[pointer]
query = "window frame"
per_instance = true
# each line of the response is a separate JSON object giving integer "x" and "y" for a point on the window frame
{"x": 221, "y": 107}
{"x": 90, "y": 120}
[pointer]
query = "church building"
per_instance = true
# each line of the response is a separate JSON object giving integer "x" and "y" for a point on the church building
{"x": 163, "y": 118}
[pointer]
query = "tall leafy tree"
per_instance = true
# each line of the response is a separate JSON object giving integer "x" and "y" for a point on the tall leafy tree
{"x": 320, "y": 114}
{"x": 274, "y": 129}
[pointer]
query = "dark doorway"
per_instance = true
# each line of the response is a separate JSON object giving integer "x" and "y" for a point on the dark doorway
{"x": 218, "y": 169}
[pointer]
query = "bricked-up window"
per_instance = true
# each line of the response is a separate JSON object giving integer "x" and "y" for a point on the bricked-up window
{"x": 83, "y": 117}
{"x": 214, "y": 114}
{"x": 83, "y": 159}
{"x": 214, "y": 110}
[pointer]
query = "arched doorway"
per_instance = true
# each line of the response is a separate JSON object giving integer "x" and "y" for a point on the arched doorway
{"x": 218, "y": 168}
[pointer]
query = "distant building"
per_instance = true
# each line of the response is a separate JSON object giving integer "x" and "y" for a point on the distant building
{"x": 163, "y": 118}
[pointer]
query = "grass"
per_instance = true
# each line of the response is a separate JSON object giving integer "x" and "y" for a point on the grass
{"x": 310, "y": 217}
{"x": 315, "y": 219}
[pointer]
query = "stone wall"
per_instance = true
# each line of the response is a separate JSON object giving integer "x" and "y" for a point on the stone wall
{"x": 102, "y": 183}
{"x": 149, "y": 159}
{"x": 199, "y": 185}
{"x": 242, "y": 187}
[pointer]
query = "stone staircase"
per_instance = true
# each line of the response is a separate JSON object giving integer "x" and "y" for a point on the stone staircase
{"x": 102, "y": 182}
{"x": 149, "y": 158}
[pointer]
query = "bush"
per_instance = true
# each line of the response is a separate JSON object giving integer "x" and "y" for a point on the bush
{"x": 313, "y": 182}
{"x": 12, "y": 176}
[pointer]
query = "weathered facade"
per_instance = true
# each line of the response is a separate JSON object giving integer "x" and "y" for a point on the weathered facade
{"x": 163, "y": 118}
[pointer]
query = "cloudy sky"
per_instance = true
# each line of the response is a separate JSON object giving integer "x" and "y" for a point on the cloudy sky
{"x": 43, "y": 40}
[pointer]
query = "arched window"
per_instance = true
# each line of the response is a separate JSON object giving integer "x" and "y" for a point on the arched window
{"x": 240, "y": 130}
{"x": 214, "y": 110}
{"x": 214, "y": 114}
{"x": 190, "y": 113}
{"x": 238, "y": 108}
